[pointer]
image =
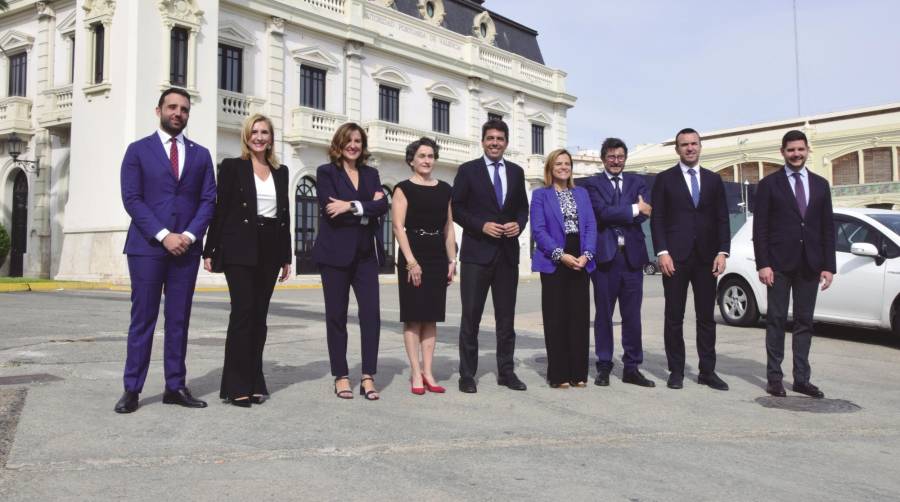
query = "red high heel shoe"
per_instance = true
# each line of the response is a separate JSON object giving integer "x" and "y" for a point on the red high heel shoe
{"x": 416, "y": 390}
{"x": 433, "y": 388}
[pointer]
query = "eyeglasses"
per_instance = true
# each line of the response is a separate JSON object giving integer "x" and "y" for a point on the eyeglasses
{"x": 615, "y": 157}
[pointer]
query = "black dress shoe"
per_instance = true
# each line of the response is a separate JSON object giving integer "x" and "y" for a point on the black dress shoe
{"x": 184, "y": 398}
{"x": 128, "y": 403}
{"x": 635, "y": 377}
{"x": 602, "y": 379}
{"x": 776, "y": 388}
{"x": 258, "y": 399}
{"x": 467, "y": 385}
{"x": 676, "y": 381}
{"x": 808, "y": 389}
{"x": 512, "y": 381}
{"x": 712, "y": 380}
{"x": 241, "y": 403}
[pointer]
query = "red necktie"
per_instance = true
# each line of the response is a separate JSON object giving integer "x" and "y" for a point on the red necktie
{"x": 173, "y": 156}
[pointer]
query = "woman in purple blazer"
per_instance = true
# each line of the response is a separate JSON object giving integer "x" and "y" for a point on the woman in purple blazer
{"x": 565, "y": 236}
{"x": 348, "y": 251}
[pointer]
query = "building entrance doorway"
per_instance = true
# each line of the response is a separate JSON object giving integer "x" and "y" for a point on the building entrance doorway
{"x": 19, "y": 233}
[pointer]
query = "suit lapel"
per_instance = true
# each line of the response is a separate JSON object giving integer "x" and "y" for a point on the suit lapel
{"x": 190, "y": 151}
{"x": 784, "y": 185}
{"x": 248, "y": 182}
{"x": 683, "y": 186}
{"x": 159, "y": 151}
{"x": 553, "y": 201}
{"x": 486, "y": 176}
{"x": 605, "y": 186}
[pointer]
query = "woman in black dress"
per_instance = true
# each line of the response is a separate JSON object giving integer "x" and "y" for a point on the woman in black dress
{"x": 423, "y": 226}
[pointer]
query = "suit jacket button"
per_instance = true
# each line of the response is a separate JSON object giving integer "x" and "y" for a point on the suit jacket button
{"x": 244, "y": 204}
{"x": 246, "y": 221}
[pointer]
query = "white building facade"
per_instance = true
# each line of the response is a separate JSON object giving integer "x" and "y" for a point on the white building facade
{"x": 79, "y": 81}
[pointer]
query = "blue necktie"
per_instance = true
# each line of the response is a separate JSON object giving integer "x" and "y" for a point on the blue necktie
{"x": 800, "y": 194}
{"x": 617, "y": 193}
{"x": 695, "y": 187}
{"x": 498, "y": 185}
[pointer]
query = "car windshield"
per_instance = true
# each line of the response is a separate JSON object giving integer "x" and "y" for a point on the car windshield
{"x": 892, "y": 221}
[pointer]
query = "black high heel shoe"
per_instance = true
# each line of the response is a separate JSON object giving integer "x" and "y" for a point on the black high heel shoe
{"x": 258, "y": 398}
{"x": 343, "y": 394}
{"x": 371, "y": 395}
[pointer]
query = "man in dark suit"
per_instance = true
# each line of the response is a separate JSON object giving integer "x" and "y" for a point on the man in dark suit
{"x": 692, "y": 238}
{"x": 619, "y": 206}
{"x": 169, "y": 190}
{"x": 793, "y": 241}
{"x": 491, "y": 205}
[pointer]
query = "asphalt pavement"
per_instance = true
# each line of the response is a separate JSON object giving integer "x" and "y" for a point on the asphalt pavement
{"x": 62, "y": 353}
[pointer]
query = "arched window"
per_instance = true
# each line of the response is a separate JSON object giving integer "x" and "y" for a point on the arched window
{"x": 878, "y": 165}
{"x": 727, "y": 173}
{"x": 19, "y": 231}
{"x": 845, "y": 170}
{"x": 769, "y": 168}
{"x": 306, "y": 217}
{"x": 387, "y": 233}
{"x": 749, "y": 172}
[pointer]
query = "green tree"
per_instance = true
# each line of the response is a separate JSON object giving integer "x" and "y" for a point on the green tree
{"x": 4, "y": 5}
{"x": 4, "y": 240}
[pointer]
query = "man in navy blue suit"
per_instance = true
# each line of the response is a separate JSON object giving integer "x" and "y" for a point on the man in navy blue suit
{"x": 619, "y": 206}
{"x": 692, "y": 238}
{"x": 169, "y": 190}
{"x": 490, "y": 204}
{"x": 793, "y": 241}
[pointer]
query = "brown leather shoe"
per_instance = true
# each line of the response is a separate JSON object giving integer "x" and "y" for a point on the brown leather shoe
{"x": 776, "y": 388}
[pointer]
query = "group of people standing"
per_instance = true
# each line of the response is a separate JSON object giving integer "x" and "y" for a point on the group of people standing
{"x": 585, "y": 234}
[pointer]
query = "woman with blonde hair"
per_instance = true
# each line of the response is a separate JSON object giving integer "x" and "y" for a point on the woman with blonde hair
{"x": 565, "y": 233}
{"x": 349, "y": 250}
{"x": 249, "y": 239}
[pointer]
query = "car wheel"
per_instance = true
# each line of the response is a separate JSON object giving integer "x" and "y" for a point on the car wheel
{"x": 650, "y": 269}
{"x": 737, "y": 303}
{"x": 895, "y": 318}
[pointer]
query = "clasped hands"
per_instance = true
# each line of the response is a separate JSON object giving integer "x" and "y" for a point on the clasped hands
{"x": 337, "y": 207}
{"x": 176, "y": 244}
{"x": 574, "y": 263}
{"x": 767, "y": 277}
{"x": 667, "y": 265}
{"x": 497, "y": 230}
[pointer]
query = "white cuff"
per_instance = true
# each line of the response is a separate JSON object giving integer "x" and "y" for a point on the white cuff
{"x": 724, "y": 253}
{"x": 634, "y": 210}
{"x": 664, "y": 251}
{"x": 190, "y": 236}
{"x": 162, "y": 234}
{"x": 357, "y": 207}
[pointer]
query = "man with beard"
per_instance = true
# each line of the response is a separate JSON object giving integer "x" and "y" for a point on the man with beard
{"x": 169, "y": 190}
{"x": 793, "y": 241}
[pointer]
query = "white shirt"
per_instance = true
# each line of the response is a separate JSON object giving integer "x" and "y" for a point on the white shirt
{"x": 804, "y": 178}
{"x": 609, "y": 176}
{"x": 687, "y": 177}
{"x": 490, "y": 169}
{"x": 266, "y": 205}
{"x": 165, "y": 139}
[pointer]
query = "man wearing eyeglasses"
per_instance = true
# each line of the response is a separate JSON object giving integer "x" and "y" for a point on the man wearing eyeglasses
{"x": 619, "y": 206}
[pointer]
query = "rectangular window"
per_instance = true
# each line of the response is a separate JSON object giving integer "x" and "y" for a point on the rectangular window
{"x": 389, "y": 104}
{"x": 494, "y": 116}
{"x": 178, "y": 57}
{"x": 231, "y": 67}
{"x": 312, "y": 87}
{"x": 878, "y": 165}
{"x": 537, "y": 139}
{"x": 18, "y": 71}
{"x": 99, "y": 35}
{"x": 440, "y": 116}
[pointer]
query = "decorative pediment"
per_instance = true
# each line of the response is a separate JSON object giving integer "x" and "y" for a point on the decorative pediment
{"x": 483, "y": 28}
{"x": 98, "y": 10}
{"x": 232, "y": 33}
{"x": 540, "y": 118}
{"x": 497, "y": 106}
{"x": 66, "y": 25}
{"x": 316, "y": 57}
{"x": 443, "y": 91}
{"x": 14, "y": 40}
{"x": 391, "y": 75}
{"x": 182, "y": 12}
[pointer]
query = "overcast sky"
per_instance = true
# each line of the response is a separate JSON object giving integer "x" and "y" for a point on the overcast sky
{"x": 642, "y": 69}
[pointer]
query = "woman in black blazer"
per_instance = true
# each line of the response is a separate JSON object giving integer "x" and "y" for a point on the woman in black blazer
{"x": 250, "y": 240}
{"x": 348, "y": 251}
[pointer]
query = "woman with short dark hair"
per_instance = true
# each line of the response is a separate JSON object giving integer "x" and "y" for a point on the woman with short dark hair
{"x": 423, "y": 227}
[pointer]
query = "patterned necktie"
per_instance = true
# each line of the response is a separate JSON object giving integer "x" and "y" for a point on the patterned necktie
{"x": 173, "y": 156}
{"x": 695, "y": 187}
{"x": 617, "y": 193}
{"x": 800, "y": 194}
{"x": 498, "y": 185}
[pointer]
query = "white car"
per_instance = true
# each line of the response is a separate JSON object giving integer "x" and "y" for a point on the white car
{"x": 866, "y": 289}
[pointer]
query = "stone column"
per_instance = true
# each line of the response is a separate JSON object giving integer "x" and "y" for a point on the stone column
{"x": 519, "y": 126}
{"x": 476, "y": 117}
{"x": 275, "y": 79}
{"x": 353, "y": 52}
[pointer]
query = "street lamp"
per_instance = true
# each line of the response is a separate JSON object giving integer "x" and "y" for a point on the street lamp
{"x": 14, "y": 145}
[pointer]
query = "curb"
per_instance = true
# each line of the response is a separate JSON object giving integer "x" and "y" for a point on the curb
{"x": 52, "y": 286}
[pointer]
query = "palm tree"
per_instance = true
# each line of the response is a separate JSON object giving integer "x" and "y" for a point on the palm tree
{"x": 4, "y": 5}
